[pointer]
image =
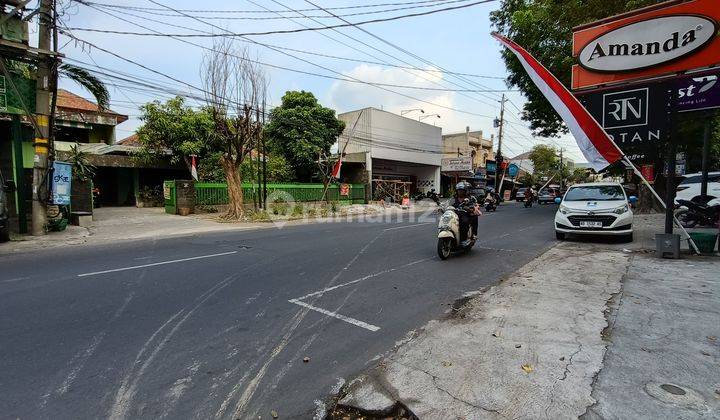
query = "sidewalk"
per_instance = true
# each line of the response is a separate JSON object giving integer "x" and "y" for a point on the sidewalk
{"x": 113, "y": 224}
{"x": 591, "y": 330}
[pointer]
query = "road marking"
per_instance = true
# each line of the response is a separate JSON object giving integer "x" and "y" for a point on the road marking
{"x": 135, "y": 267}
{"x": 353, "y": 321}
{"x": 408, "y": 226}
{"x": 497, "y": 249}
{"x": 14, "y": 280}
{"x": 347, "y": 319}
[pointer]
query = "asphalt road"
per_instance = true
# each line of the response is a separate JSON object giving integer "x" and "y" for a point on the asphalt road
{"x": 217, "y": 325}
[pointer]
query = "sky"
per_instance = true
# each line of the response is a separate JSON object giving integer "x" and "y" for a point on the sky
{"x": 434, "y": 46}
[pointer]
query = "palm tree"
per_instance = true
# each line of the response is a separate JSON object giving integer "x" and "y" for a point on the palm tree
{"x": 87, "y": 80}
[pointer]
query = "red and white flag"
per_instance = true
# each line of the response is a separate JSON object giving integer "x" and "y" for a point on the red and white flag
{"x": 597, "y": 147}
{"x": 336, "y": 168}
{"x": 193, "y": 167}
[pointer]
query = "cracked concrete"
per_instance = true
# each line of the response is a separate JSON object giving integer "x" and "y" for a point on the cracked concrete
{"x": 548, "y": 317}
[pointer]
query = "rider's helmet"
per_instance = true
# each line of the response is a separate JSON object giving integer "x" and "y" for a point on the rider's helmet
{"x": 462, "y": 185}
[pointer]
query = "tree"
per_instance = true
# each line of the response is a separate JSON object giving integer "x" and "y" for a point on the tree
{"x": 87, "y": 80}
{"x": 236, "y": 94}
{"x": 302, "y": 131}
{"x": 278, "y": 169}
{"x": 579, "y": 175}
{"x": 173, "y": 126}
{"x": 544, "y": 159}
{"x": 544, "y": 28}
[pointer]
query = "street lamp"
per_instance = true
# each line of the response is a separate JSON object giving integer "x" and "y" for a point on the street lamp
{"x": 422, "y": 117}
{"x": 407, "y": 111}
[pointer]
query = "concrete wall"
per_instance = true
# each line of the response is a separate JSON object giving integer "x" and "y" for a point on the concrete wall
{"x": 389, "y": 136}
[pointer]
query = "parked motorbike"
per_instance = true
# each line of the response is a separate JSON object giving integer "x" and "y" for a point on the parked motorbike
{"x": 433, "y": 196}
{"x": 692, "y": 214}
{"x": 490, "y": 203}
{"x": 449, "y": 232}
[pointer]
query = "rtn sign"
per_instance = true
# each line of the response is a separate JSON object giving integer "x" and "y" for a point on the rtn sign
{"x": 625, "y": 109}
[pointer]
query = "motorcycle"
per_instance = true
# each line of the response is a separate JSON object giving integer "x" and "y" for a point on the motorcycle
{"x": 692, "y": 214}
{"x": 433, "y": 196}
{"x": 490, "y": 204}
{"x": 449, "y": 231}
{"x": 528, "y": 201}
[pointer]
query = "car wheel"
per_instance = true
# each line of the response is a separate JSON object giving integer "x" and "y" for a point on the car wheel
{"x": 628, "y": 237}
{"x": 560, "y": 236}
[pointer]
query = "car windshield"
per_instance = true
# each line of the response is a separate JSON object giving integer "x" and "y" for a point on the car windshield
{"x": 595, "y": 193}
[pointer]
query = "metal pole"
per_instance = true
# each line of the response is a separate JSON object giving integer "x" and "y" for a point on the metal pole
{"x": 705, "y": 154}
{"x": 499, "y": 156}
{"x": 660, "y": 200}
{"x": 42, "y": 112}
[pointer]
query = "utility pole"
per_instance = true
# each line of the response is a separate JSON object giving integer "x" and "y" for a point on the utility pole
{"x": 498, "y": 155}
{"x": 42, "y": 116}
{"x": 561, "y": 169}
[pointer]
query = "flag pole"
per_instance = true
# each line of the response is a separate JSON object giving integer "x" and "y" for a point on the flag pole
{"x": 342, "y": 152}
{"x": 662, "y": 202}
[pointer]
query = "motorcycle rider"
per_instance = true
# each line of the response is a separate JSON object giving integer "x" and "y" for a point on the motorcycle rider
{"x": 466, "y": 202}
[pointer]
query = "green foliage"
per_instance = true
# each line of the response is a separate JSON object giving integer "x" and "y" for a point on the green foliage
{"x": 579, "y": 175}
{"x": 89, "y": 81}
{"x": 175, "y": 127}
{"x": 528, "y": 179}
{"x": 297, "y": 210}
{"x": 544, "y": 28}
{"x": 83, "y": 170}
{"x": 544, "y": 159}
{"x": 300, "y": 129}
{"x": 278, "y": 169}
{"x": 279, "y": 207}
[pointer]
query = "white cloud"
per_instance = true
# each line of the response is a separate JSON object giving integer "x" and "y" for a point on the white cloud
{"x": 346, "y": 96}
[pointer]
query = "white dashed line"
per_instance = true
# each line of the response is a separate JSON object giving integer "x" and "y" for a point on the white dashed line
{"x": 135, "y": 267}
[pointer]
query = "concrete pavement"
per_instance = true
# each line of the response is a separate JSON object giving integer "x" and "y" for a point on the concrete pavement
{"x": 216, "y": 325}
{"x": 590, "y": 329}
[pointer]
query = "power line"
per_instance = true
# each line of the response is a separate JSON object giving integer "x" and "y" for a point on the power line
{"x": 264, "y": 18}
{"x": 285, "y": 31}
{"x": 269, "y": 11}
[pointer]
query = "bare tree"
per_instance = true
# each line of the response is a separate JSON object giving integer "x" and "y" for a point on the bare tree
{"x": 236, "y": 92}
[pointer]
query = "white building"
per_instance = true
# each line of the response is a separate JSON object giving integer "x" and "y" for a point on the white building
{"x": 382, "y": 148}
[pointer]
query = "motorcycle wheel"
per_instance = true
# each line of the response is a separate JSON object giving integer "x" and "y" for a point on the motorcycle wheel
{"x": 685, "y": 218}
{"x": 444, "y": 247}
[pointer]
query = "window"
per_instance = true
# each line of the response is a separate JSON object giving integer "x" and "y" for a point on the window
{"x": 595, "y": 193}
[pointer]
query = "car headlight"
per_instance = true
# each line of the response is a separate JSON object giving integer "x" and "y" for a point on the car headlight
{"x": 564, "y": 210}
{"x": 622, "y": 209}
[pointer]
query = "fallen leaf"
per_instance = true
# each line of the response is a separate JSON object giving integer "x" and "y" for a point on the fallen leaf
{"x": 711, "y": 337}
{"x": 274, "y": 414}
{"x": 527, "y": 368}
{"x": 517, "y": 346}
{"x": 704, "y": 353}
{"x": 562, "y": 358}
{"x": 306, "y": 359}
{"x": 447, "y": 364}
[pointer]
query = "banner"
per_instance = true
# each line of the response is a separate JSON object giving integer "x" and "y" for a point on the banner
{"x": 61, "y": 183}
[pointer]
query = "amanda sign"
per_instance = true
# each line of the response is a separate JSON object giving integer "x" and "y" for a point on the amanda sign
{"x": 668, "y": 38}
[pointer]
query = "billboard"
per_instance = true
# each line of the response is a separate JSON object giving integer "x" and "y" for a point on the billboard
{"x": 61, "y": 182}
{"x": 698, "y": 92}
{"x": 456, "y": 164}
{"x": 659, "y": 40}
{"x": 635, "y": 117}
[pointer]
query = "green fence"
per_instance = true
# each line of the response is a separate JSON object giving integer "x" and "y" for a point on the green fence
{"x": 208, "y": 193}
{"x": 169, "y": 195}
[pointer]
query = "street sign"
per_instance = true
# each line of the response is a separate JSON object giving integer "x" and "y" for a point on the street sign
{"x": 698, "y": 92}
{"x": 513, "y": 170}
{"x": 636, "y": 118}
{"x": 663, "y": 39}
{"x": 61, "y": 183}
{"x": 458, "y": 164}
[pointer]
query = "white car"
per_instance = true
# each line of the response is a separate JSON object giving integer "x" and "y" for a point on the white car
{"x": 600, "y": 208}
{"x": 689, "y": 188}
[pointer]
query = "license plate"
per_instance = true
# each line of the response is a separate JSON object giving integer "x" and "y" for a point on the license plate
{"x": 590, "y": 224}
